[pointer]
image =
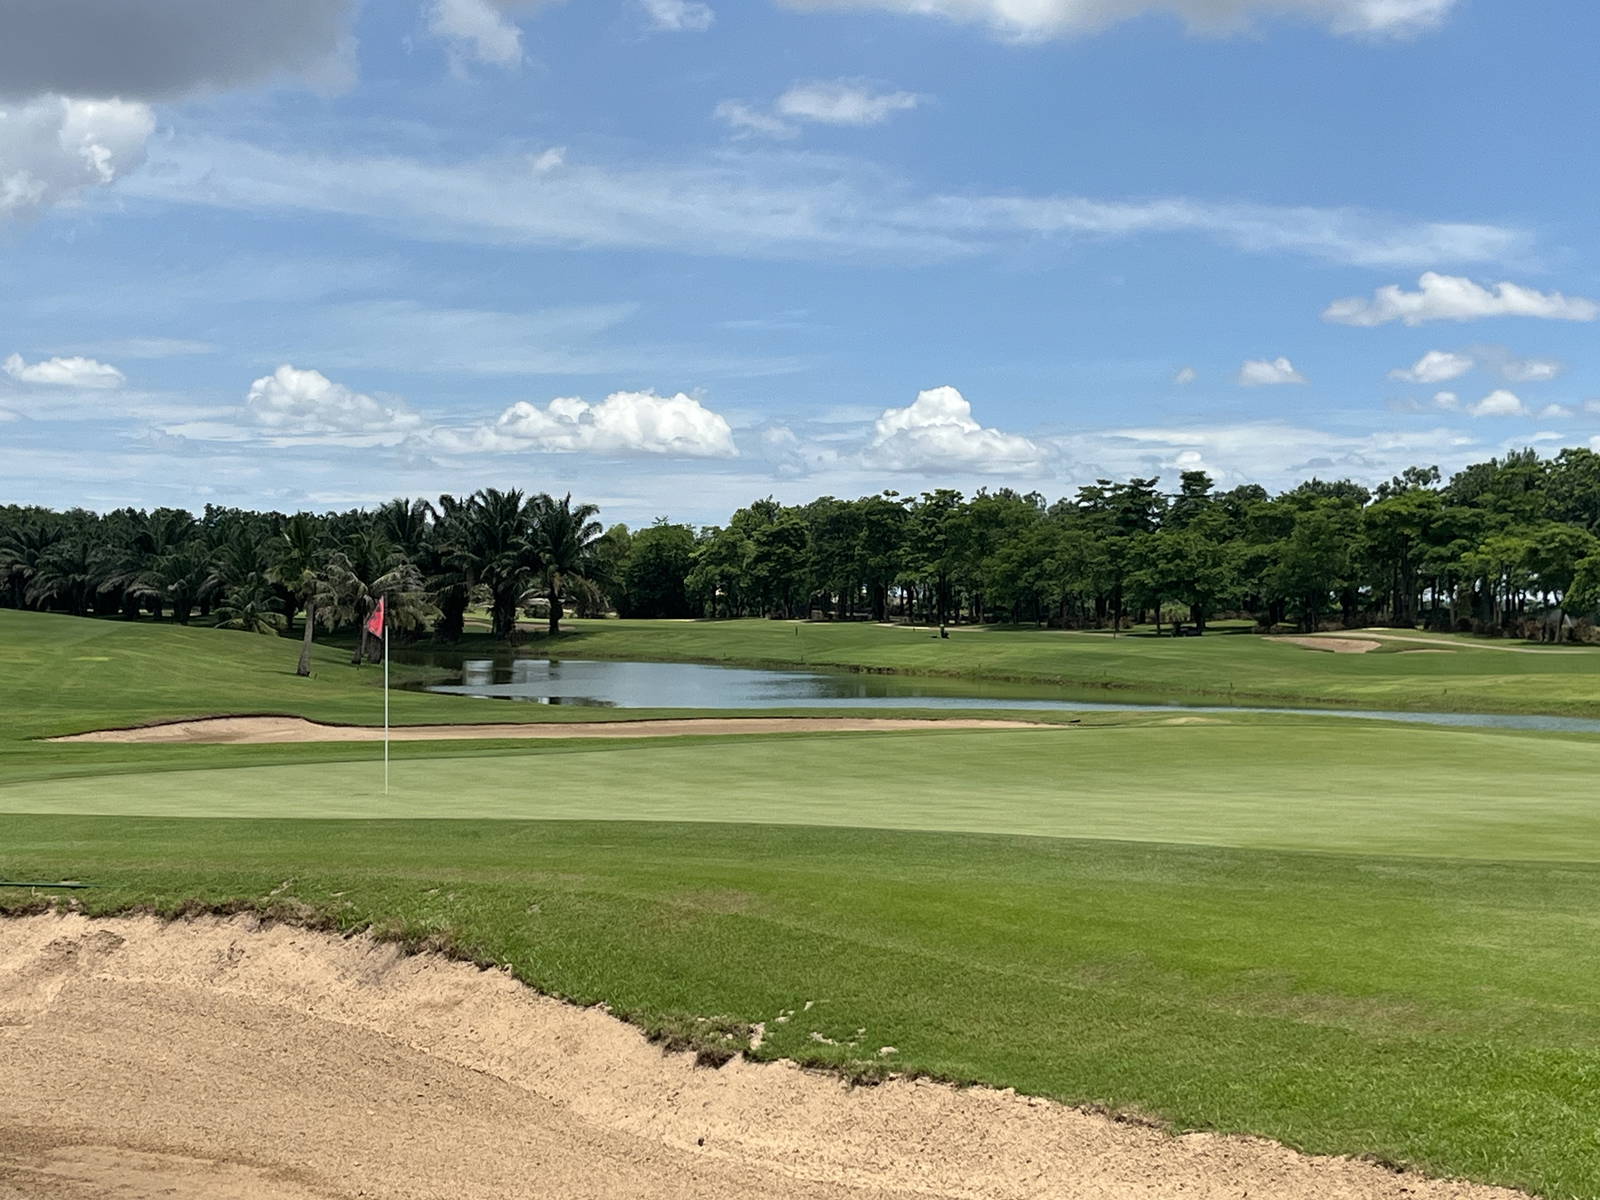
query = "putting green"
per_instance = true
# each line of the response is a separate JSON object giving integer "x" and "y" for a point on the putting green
{"x": 1281, "y": 784}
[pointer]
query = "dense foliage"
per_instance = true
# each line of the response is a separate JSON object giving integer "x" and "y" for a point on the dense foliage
{"x": 1509, "y": 545}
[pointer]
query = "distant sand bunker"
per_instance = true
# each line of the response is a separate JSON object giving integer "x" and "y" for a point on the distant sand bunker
{"x": 1335, "y": 645}
{"x": 216, "y": 730}
{"x": 222, "y": 1060}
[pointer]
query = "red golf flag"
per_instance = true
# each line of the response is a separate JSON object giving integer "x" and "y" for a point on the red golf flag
{"x": 375, "y": 621}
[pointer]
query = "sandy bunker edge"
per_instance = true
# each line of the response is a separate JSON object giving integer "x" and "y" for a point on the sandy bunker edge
{"x": 772, "y": 1116}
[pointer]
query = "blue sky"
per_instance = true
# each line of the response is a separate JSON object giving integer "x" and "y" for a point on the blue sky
{"x": 674, "y": 256}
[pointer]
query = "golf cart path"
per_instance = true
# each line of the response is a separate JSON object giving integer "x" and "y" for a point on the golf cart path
{"x": 251, "y": 730}
{"x": 229, "y": 1060}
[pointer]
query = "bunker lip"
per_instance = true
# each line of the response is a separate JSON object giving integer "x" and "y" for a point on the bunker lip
{"x": 271, "y": 1062}
{"x": 268, "y": 729}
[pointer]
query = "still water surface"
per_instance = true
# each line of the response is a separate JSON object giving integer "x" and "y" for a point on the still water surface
{"x": 695, "y": 685}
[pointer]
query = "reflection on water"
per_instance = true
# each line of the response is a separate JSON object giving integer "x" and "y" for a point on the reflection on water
{"x": 693, "y": 685}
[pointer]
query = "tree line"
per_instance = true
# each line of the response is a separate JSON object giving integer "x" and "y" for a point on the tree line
{"x": 1511, "y": 545}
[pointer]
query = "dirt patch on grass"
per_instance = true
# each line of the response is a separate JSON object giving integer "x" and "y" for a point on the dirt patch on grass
{"x": 253, "y": 730}
{"x": 1334, "y": 645}
{"x": 223, "y": 1059}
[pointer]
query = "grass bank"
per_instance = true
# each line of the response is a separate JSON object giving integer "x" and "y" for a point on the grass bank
{"x": 1433, "y": 1012}
{"x": 1461, "y": 675}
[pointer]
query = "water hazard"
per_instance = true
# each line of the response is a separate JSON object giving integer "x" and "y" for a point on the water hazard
{"x": 605, "y": 684}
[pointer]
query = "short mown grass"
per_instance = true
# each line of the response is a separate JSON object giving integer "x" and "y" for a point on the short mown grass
{"x": 1422, "y": 1011}
{"x": 1353, "y": 937}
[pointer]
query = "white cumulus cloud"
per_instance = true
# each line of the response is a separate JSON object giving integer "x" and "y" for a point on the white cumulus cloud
{"x": 1447, "y": 400}
{"x": 622, "y": 423}
{"x": 1185, "y": 376}
{"x": 1061, "y": 18}
{"x": 937, "y": 432}
{"x": 64, "y": 372}
{"x": 1436, "y": 366}
{"x": 1454, "y": 298}
{"x": 296, "y": 401}
{"x": 1260, "y": 372}
{"x": 476, "y": 29}
{"x": 678, "y": 16}
{"x": 52, "y": 148}
{"x": 843, "y": 102}
{"x": 1500, "y": 403}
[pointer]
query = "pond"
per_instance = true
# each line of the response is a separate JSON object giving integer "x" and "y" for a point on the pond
{"x": 606, "y": 684}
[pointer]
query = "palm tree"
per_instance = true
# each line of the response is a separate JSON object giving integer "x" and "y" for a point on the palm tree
{"x": 500, "y": 541}
{"x": 367, "y": 569}
{"x": 252, "y": 607}
{"x": 132, "y": 542}
{"x": 448, "y": 564}
{"x": 564, "y": 537}
{"x": 238, "y": 551}
{"x": 296, "y": 554}
{"x": 66, "y": 575}
{"x": 24, "y": 547}
{"x": 180, "y": 575}
{"x": 406, "y": 523}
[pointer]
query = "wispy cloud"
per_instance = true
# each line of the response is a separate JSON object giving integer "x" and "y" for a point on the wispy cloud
{"x": 772, "y": 205}
{"x": 678, "y": 16}
{"x": 843, "y": 102}
{"x": 1038, "y": 19}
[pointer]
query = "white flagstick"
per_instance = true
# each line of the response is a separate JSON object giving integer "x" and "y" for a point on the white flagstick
{"x": 385, "y": 697}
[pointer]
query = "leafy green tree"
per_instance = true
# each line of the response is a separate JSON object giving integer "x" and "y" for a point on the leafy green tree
{"x": 655, "y": 577}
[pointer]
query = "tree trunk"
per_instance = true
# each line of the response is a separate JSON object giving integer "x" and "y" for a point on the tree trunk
{"x": 555, "y": 605}
{"x": 305, "y": 646}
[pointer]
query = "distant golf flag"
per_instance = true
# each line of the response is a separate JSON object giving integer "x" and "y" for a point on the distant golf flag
{"x": 378, "y": 627}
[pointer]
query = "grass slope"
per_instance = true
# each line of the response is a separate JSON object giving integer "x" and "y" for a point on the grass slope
{"x": 1469, "y": 675}
{"x": 1423, "y": 1011}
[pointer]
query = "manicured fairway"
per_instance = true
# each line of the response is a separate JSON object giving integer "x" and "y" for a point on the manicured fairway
{"x": 1354, "y": 937}
{"x": 1287, "y": 783}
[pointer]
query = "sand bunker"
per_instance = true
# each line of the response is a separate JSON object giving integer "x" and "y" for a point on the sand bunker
{"x": 1336, "y": 645}
{"x": 222, "y": 1060}
{"x": 216, "y": 730}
